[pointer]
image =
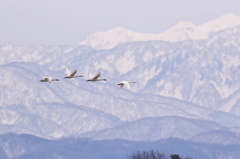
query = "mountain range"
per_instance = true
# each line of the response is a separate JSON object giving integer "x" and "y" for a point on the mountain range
{"x": 187, "y": 88}
{"x": 180, "y": 32}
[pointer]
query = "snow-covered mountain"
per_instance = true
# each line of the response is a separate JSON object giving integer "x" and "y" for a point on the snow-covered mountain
{"x": 110, "y": 39}
{"x": 180, "y": 32}
{"x": 187, "y": 88}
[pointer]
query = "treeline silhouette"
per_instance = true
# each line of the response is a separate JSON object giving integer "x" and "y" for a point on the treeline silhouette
{"x": 155, "y": 155}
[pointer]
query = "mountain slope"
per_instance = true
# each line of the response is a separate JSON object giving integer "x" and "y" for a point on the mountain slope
{"x": 29, "y": 106}
{"x": 196, "y": 79}
{"x": 63, "y": 108}
{"x": 157, "y": 128}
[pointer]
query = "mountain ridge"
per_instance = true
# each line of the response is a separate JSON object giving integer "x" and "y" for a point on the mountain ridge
{"x": 180, "y": 32}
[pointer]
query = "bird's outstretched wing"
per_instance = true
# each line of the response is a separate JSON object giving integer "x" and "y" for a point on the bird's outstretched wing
{"x": 96, "y": 77}
{"x": 126, "y": 84}
{"x": 73, "y": 73}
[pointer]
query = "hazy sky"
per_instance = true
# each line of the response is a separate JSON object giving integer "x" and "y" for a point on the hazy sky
{"x": 68, "y": 22}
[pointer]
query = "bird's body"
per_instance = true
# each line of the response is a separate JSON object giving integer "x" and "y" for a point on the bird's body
{"x": 95, "y": 78}
{"x": 48, "y": 79}
{"x": 72, "y": 74}
{"x": 125, "y": 83}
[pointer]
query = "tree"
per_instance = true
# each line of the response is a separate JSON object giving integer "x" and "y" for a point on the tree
{"x": 147, "y": 155}
{"x": 155, "y": 155}
{"x": 175, "y": 156}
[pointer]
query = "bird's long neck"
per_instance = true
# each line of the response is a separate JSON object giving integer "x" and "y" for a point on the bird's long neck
{"x": 102, "y": 80}
{"x": 132, "y": 82}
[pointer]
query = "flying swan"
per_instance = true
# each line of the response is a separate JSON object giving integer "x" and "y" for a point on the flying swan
{"x": 125, "y": 83}
{"x": 71, "y": 74}
{"x": 95, "y": 78}
{"x": 48, "y": 79}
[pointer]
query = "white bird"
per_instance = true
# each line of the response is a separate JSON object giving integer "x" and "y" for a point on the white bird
{"x": 95, "y": 78}
{"x": 71, "y": 74}
{"x": 125, "y": 83}
{"x": 48, "y": 79}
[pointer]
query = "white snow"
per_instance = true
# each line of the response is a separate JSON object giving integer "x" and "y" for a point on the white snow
{"x": 126, "y": 62}
{"x": 180, "y": 32}
{"x": 221, "y": 23}
{"x": 110, "y": 39}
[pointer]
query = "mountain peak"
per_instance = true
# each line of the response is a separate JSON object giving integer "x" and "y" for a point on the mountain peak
{"x": 223, "y": 22}
{"x": 118, "y": 30}
{"x": 182, "y": 31}
{"x": 113, "y": 37}
{"x": 107, "y": 39}
{"x": 184, "y": 25}
{"x": 229, "y": 16}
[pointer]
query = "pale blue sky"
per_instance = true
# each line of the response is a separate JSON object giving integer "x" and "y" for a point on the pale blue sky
{"x": 51, "y": 22}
